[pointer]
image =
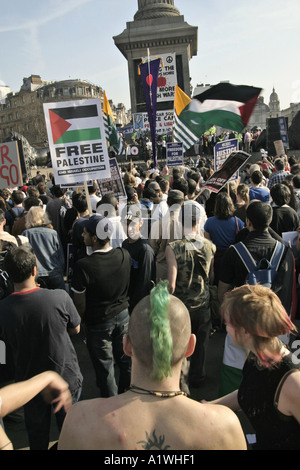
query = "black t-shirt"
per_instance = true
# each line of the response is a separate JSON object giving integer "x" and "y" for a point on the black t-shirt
{"x": 104, "y": 277}
{"x": 34, "y": 324}
{"x": 143, "y": 270}
{"x": 285, "y": 219}
{"x": 260, "y": 245}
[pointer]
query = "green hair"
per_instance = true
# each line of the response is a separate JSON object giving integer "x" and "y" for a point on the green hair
{"x": 160, "y": 331}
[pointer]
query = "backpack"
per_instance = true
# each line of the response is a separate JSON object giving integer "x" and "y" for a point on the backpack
{"x": 264, "y": 272}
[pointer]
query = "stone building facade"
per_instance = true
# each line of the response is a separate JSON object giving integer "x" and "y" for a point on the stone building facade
{"x": 23, "y": 113}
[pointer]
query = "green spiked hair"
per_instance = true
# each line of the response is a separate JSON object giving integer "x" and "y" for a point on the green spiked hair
{"x": 160, "y": 331}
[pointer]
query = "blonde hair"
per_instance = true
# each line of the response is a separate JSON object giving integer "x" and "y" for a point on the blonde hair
{"x": 36, "y": 217}
{"x": 129, "y": 179}
{"x": 260, "y": 312}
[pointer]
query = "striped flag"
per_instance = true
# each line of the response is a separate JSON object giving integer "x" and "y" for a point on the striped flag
{"x": 111, "y": 131}
{"x": 181, "y": 132}
{"x": 225, "y": 105}
{"x": 74, "y": 124}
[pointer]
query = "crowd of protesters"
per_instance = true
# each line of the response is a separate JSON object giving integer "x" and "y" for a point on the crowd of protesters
{"x": 108, "y": 258}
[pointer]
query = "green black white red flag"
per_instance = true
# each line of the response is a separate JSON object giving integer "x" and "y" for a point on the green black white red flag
{"x": 111, "y": 130}
{"x": 76, "y": 139}
{"x": 224, "y": 105}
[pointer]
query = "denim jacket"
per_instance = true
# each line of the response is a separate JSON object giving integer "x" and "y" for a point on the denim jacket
{"x": 48, "y": 249}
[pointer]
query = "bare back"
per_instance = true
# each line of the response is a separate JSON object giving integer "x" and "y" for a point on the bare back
{"x": 142, "y": 422}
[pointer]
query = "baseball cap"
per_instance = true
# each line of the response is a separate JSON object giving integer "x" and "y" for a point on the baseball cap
{"x": 176, "y": 195}
{"x": 132, "y": 212}
{"x": 100, "y": 226}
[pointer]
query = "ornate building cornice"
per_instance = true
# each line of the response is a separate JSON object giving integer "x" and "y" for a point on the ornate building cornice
{"x": 152, "y": 9}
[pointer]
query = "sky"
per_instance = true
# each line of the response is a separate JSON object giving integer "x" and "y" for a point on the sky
{"x": 247, "y": 42}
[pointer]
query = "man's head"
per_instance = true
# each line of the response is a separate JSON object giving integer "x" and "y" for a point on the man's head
{"x": 97, "y": 231}
{"x": 280, "y": 194}
{"x": 20, "y": 264}
{"x": 79, "y": 201}
{"x": 259, "y": 214}
{"x": 257, "y": 177}
{"x": 159, "y": 332}
{"x": 175, "y": 198}
{"x": 17, "y": 197}
{"x": 182, "y": 185}
{"x": 279, "y": 164}
{"x": 108, "y": 206}
{"x": 192, "y": 185}
{"x": 132, "y": 221}
{"x": 190, "y": 218}
{"x": 158, "y": 192}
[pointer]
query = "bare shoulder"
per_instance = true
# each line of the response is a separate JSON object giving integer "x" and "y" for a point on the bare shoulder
{"x": 80, "y": 419}
{"x": 222, "y": 428}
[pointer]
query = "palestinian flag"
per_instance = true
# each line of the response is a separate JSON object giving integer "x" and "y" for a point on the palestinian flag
{"x": 224, "y": 105}
{"x": 111, "y": 132}
{"x": 74, "y": 124}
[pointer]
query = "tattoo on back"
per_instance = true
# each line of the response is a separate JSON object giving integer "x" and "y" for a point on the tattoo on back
{"x": 154, "y": 442}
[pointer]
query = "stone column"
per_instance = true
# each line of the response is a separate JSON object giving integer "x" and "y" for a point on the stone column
{"x": 159, "y": 27}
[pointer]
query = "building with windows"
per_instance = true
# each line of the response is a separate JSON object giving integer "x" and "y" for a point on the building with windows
{"x": 22, "y": 112}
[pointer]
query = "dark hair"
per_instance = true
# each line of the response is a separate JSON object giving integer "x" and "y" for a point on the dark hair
{"x": 79, "y": 202}
{"x": 257, "y": 177}
{"x": 164, "y": 184}
{"x": 42, "y": 187}
{"x": 19, "y": 263}
{"x": 57, "y": 191}
{"x": 260, "y": 214}
{"x": 18, "y": 197}
{"x": 93, "y": 188}
{"x": 191, "y": 185}
{"x": 296, "y": 181}
{"x": 2, "y": 216}
{"x": 279, "y": 164}
{"x": 224, "y": 207}
{"x": 195, "y": 176}
{"x": 110, "y": 205}
{"x": 181, "y": 184}
{"x": 293, "y": 200}
{"x": 295, "y": 169}
{"x": 31, "y": 202}
{"x": 280, "y": 194}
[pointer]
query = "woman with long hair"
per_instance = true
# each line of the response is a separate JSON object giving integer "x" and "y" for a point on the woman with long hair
{"x": 222, "y": 228}
{"x": 47, "y": 247}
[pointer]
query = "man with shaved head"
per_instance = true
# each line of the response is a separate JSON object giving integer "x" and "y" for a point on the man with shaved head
{"x": 153, "y": 414}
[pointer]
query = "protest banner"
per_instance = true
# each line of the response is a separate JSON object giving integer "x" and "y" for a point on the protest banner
{"x": 167, "y": 77}
{"x": 279, "y": 147}
{"x": 113, "y": 185}
{"x": 233, "y": 163}
{"x": 164, "y": 122}
{"x": 77, "y": 142}
{"x": 222, "y": 150}
{"x": 174, "y": 154}
{"x": 10, "y": 167}
{"x": 283, "y": 131}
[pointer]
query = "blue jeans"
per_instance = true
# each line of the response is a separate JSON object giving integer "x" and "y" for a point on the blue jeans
{"x": 105, "y": 346}
{"x": 37, "y": 416}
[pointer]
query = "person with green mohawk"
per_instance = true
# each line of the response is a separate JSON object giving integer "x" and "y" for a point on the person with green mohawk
{"x": 154, "y": 414}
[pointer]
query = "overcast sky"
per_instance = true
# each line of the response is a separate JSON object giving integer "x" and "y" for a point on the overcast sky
{"x": 247, "y": 42}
